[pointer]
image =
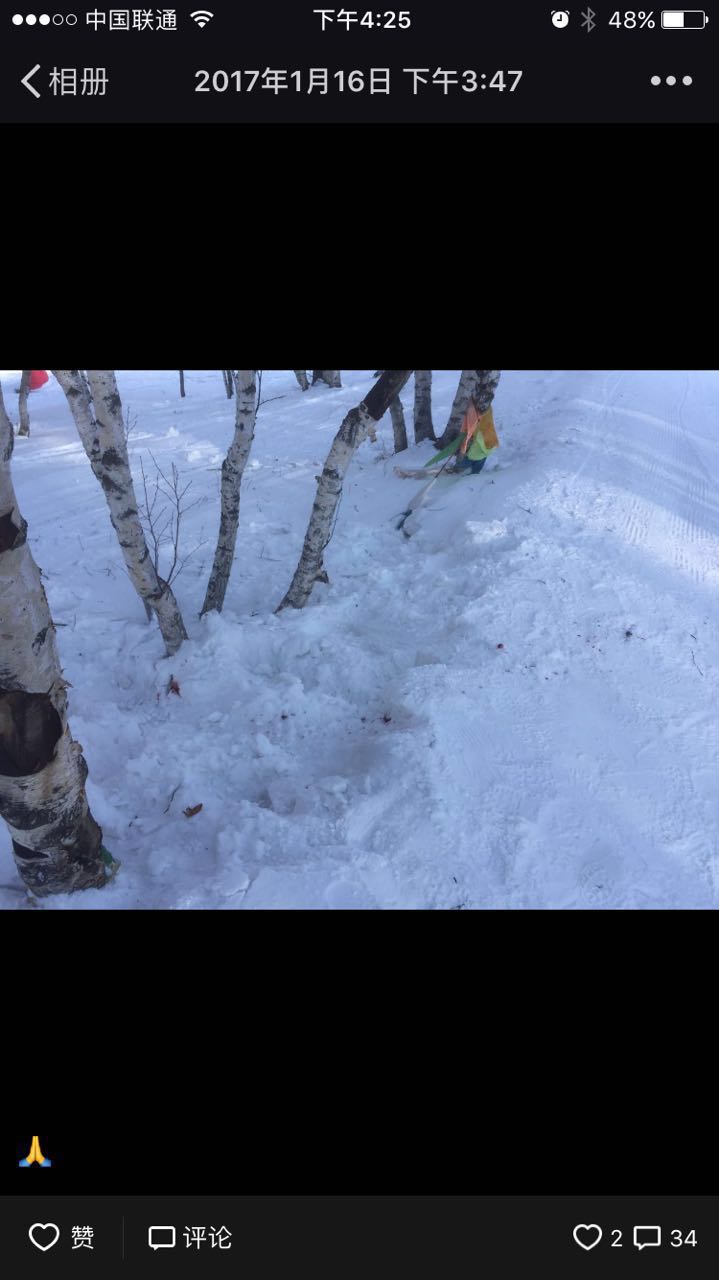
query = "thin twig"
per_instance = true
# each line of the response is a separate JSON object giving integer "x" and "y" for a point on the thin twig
{"x": 172, "y": 797}
{"x": 696, "y": 664}
{"x": 162, "y": 525}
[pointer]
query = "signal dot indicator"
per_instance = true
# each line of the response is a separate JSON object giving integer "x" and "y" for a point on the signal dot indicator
{"x": 31, "y": 19}
{"x": 671, "y": 80}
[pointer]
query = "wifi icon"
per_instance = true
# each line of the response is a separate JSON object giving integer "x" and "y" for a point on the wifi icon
{"x": 202, "y": 17}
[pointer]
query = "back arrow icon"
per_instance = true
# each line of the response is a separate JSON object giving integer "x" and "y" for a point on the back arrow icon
{"x": 26, "y": 79}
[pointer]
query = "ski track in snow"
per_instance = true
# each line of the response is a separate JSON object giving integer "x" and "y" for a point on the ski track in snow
{"x": 459, "y": 721}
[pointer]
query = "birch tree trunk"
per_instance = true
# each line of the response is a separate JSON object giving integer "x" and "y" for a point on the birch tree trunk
{"x": 97, "y": 410}
{"x": 182, "y": 383}
{"x": 477, "y": 384}
{"x": 56, "y": 842}
{"x": 359, "y": 423}
{"x": 301, "y": 376}
{"x": 330, "y": 376}
{"x": 423, "y": 428}
{"x": 398, "y": 425}
{"x": 232, "y": 471}
{"x": 24, "y": 416}
{"x": 467, "y": 383}
{"x": 229, "y": 385}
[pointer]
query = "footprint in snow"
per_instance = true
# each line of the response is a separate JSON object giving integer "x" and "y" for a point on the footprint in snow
{"x": 598, "y": 881}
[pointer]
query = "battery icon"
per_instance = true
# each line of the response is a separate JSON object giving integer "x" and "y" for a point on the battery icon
{"x": 684, "y": 19}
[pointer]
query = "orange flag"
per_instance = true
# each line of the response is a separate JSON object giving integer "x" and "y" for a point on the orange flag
{"x": 473, "y": 422}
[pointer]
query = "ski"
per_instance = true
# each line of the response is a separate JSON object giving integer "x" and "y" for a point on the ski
{"x": 417, "y": 473}
{"x": 406, "y": 523}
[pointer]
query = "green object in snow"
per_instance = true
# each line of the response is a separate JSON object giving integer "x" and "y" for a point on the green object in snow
{"x": 446, "y": 453}
{"x": 112, "y": 864}
{"x": 482, "y": 437}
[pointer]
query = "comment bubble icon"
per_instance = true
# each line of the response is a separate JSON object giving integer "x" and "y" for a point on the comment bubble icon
{"x": 647, "y": 1237}
{"x": 162, "y": 1237}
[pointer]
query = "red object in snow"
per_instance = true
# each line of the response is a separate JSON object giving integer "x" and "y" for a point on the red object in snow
{"x": 38, "y": 378}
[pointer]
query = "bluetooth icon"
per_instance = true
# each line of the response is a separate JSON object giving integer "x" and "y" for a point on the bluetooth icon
{"x": 588, "y": 20}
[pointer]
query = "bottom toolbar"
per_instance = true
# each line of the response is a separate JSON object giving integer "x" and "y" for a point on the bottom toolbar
{"x": 272, "y": 1237}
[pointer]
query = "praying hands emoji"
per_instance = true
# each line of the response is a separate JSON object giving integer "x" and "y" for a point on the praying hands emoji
{"x": 35, "y": 1156}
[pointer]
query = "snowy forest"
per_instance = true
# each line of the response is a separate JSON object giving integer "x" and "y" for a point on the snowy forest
{"x": 366, "y": 639}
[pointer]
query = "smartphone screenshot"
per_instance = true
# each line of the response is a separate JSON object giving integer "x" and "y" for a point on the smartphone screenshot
{"x": 295, "y": 63}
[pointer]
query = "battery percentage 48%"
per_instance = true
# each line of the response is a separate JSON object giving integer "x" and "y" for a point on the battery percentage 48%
{"x": 631, "y": 19}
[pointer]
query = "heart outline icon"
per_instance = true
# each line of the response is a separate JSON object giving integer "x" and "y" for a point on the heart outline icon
{"x": 44, "y": 1226}
{"x": 587, "y": 1226}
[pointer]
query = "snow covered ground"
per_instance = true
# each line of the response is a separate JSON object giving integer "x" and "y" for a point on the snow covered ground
{"x": 515, "y": 709}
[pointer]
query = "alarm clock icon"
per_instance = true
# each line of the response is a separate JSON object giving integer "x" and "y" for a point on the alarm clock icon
{"x": 560, "y": 17}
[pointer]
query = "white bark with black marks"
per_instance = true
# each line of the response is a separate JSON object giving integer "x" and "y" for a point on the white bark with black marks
{"x": 357, "y": 426}
{"x": 399, "y": 426}
{"x": 23, "y": 414}
{"x": 301, "y": 376}
{"x": 486, "y": 388}
{"x": 56, "y": 842}
{"x": 232, "y": 471}
{"x": 423, "y": 428}
{"x": 331, "y": 376}
{"x": 466, "y": 386}
{"x": 97, "y": 409}
{"x": 477, "y": 384}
